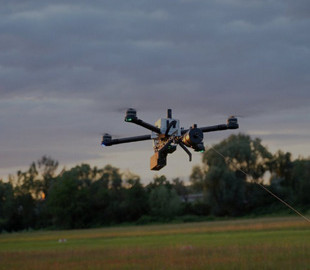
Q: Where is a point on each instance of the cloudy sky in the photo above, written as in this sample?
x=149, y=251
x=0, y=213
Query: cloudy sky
x=69, y=69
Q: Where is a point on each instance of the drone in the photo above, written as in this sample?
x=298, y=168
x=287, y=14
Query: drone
x=167, y=134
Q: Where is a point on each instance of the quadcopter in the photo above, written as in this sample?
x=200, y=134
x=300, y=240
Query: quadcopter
x=167, y=134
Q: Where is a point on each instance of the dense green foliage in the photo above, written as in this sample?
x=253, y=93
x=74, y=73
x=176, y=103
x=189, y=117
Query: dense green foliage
x=86, y=196
x=232, y=168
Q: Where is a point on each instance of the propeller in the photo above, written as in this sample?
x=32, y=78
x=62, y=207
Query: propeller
x=239, y=115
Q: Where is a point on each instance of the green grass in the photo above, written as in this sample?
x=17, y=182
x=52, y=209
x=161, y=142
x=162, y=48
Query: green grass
x=265, y=243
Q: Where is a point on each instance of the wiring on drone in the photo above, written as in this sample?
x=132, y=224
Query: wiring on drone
x=227, y=160
x=170, y=125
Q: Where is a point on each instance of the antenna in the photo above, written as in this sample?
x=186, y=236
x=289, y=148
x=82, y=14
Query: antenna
x=169, y=113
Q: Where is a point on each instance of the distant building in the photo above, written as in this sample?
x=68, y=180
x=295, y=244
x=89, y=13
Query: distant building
x=192, y=197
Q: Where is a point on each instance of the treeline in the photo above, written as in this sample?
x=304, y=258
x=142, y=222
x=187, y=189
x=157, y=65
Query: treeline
x=224, y=185
x=235, y=171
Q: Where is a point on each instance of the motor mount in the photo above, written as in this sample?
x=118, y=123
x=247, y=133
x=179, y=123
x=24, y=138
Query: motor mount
x=131, y=114
x=106, y=139
x=232, y=123
x=193, y=138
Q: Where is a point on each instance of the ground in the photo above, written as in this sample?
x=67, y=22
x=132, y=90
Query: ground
x=264, y=243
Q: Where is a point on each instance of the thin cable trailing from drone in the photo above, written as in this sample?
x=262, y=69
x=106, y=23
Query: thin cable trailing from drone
x=262, y=186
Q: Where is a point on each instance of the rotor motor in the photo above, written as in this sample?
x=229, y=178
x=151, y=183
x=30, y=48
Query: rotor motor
x=131, y=114
x=232, y=122
x=193, y=138
x=106, y=139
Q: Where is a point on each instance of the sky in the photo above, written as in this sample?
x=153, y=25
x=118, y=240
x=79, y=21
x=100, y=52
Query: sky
x=69, y=69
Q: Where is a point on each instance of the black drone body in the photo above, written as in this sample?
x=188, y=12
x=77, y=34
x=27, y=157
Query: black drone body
x=167, y=134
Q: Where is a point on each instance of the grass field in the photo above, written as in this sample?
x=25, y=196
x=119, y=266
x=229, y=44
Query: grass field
x=265, y=243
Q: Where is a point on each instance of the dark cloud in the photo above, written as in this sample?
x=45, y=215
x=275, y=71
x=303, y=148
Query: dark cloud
x=67, y=68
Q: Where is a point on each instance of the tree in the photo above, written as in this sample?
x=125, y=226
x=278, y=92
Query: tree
x=224, y=182
x=47, y=168
x=100, y=200
x=26, y=192
x=112, y=177
x=69, y=200
x=114, y=212
x=157, y=182
x=301, y=176
x=27, y=182
x=241, y=152
x=180, y=188
x=164, y=203
x=135, y=202
x=197, y=178
x=281, y=167
x=225, y=192
x=8, y=209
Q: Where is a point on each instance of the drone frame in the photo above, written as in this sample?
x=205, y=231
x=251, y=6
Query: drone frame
x=166, y=143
